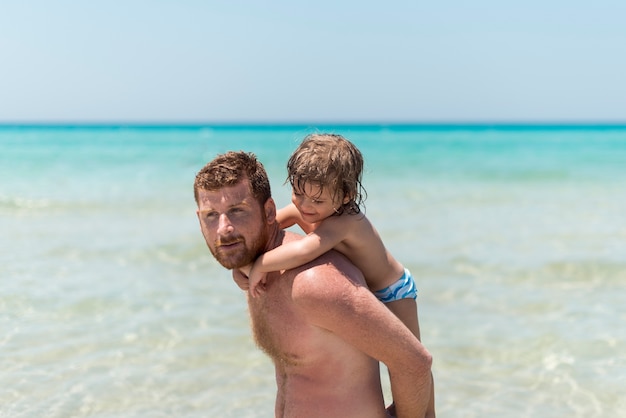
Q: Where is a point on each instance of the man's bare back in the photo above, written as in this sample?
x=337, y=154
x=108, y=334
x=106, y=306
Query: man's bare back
x=317, y=371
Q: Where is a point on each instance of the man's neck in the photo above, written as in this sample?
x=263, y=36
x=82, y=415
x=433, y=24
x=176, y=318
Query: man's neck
x=274, y=239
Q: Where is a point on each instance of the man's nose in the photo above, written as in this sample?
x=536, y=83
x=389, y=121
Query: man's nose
x=224, y=227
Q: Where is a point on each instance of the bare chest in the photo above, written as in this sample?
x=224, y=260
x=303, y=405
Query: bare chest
x=280, y=329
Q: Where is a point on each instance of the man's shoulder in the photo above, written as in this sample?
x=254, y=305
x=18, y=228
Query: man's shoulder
x=326, y=277
x=327, y=290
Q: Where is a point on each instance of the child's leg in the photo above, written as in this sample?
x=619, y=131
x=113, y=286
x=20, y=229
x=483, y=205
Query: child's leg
x=406, y=310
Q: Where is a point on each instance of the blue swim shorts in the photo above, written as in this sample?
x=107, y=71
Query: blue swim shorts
x=404, y=288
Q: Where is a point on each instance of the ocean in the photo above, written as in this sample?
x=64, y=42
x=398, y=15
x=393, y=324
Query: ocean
x=112, y=306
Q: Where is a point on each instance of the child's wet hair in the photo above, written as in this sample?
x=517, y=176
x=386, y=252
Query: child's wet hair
x=332, y=163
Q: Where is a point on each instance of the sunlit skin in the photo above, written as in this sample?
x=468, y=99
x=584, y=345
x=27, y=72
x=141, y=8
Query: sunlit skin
x=322, y=327
x=316, y=212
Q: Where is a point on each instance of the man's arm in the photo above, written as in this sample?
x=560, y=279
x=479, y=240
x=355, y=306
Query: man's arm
x=337, y=303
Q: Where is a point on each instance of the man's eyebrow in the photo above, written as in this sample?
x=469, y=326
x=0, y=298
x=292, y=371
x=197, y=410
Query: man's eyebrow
x=234, y=205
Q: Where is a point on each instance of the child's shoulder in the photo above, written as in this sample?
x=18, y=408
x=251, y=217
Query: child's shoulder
x=352, y=217
x=346, y=220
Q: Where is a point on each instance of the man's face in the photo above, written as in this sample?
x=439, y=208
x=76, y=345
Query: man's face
x=233, y=223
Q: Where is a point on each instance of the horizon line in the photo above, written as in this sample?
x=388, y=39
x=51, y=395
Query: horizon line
x=312, y=124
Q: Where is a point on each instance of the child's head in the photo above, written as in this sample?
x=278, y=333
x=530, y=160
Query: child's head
x=332, y=163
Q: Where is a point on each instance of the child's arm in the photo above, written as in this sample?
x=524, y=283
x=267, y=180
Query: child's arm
x=328, y=234
x=287, y=216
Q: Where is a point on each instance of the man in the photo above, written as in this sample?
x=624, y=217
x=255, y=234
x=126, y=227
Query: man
x=322, y=327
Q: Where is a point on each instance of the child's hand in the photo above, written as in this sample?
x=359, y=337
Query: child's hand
x=257, y=281
x=241, y=279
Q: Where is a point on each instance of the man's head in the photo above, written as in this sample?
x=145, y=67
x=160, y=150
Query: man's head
x=235, y=208
x=229, y=169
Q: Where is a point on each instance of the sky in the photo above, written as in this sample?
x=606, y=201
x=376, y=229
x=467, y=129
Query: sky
x=289, y=61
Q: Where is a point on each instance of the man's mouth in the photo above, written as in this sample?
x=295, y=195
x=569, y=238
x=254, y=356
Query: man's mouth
x=228, y=244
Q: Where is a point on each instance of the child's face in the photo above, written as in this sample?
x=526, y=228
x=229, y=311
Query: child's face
x=313, y=203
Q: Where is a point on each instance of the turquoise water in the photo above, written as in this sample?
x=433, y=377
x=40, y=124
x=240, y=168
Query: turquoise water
x=111, y=305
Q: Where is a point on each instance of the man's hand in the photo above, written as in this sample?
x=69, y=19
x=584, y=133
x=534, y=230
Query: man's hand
x=241, y=279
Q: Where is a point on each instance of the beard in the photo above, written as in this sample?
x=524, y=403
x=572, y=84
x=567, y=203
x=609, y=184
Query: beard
x=245, y=255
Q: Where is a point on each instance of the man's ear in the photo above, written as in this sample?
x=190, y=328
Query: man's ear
x=270, y=210
x=198, y=215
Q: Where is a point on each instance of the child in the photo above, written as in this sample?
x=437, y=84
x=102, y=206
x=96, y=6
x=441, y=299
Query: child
x=325, y=173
